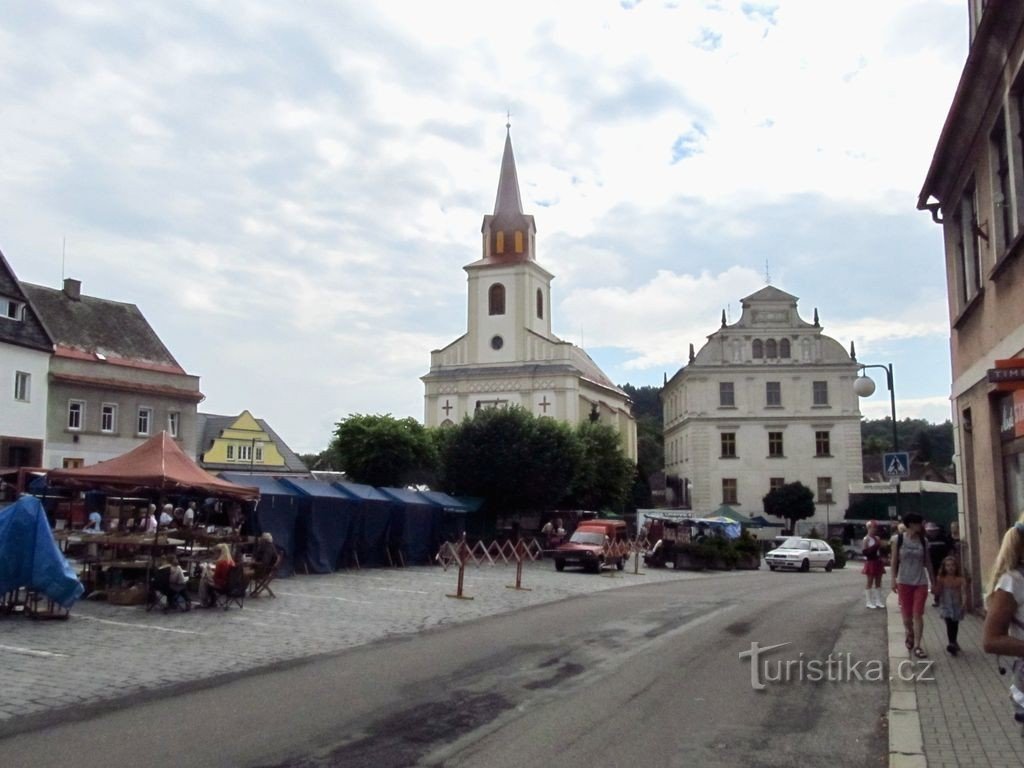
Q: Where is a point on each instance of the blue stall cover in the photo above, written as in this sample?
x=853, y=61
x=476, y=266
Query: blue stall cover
x=326, y=520
x=29, y=557
x=379, y=520
x=443, y=500
x=421, y=531
x=276, y=513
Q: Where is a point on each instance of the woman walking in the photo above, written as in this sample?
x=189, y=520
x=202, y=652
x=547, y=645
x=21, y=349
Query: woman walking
x=1003, y=633
x=911, y=575
x=874, y=569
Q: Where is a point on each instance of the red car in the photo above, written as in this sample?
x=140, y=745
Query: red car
x=589, y=546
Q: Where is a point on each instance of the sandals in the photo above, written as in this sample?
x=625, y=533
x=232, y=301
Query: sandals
x=919, y=653
x=909, y=642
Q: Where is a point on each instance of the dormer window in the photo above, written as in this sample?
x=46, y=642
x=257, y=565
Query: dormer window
x=11, y=309
x=496, y=299
x=499, y=243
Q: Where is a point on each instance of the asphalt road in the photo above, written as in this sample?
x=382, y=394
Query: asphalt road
x=645, y=676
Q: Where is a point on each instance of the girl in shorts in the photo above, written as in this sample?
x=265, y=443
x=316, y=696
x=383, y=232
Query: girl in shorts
x=911, y=575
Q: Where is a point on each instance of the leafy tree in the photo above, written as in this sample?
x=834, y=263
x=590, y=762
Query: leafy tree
x=325, y=460
x=382, y=450
x=791, y=502
x=648, y=413
x=511, y=458
x=603, y=475
x=932, y=442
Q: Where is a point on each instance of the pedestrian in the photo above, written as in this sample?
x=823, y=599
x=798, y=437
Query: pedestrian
x=166, y=516
x=950, y=590
x=190, y=514
x=874, y=568
x=911, y=575
x=938, y=548
x=150, y=521
x=1003, y=632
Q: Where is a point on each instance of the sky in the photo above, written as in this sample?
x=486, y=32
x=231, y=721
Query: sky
x=289, y=191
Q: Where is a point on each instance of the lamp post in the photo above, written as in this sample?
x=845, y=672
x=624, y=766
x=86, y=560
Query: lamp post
x=865, y=387
x=688, y=485
x=828, y=505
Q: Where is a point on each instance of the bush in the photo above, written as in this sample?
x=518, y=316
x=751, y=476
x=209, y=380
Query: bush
x=839, y=552
x=747, y=544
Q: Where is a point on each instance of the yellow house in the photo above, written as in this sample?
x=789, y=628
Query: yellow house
x=243, y=442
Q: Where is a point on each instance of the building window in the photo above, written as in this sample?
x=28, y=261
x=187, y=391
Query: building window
x=771, y=349
x=773, y=394
x=76, y=414
x=499, y=242
x=540, y=304
x=519, y=241
x=11, y=309
x=145, y=420
x=73, y=463
x=173, y=423
x=108, y=418
x=729, y=490
x=728, y=445
x=784, y=350
x=757, y=349
x=231, y=453
x=496, y=299
x=820, y=392
x=775, y=445
x=824, y=489
x=22, y=386
x=967, y=247
x=726, y=394
x=776, y=483
x=1001, y=185
x=259, y=452
x=245, y=453
x=822, y=443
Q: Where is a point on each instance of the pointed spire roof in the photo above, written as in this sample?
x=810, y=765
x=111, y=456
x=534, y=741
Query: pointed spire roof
x=508, y=202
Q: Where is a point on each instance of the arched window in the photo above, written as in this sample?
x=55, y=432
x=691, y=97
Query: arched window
x=771, y=349
x=496, y=299
x=784, y=348
x=499, y=242
x=540, y=304
x=758, y=349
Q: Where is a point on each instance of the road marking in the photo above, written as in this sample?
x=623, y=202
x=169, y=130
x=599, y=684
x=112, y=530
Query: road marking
x=139, y=626
x=32, y=652
x=329, y=597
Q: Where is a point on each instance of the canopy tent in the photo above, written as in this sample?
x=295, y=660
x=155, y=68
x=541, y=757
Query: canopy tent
x=326, y=516
x=453, y=513
x=156, y=466
x=375, y=519
x=276, y=513
x=728, y=512
x=29, y=557
x=760, y=521
x=421, y=525
x=726, y=525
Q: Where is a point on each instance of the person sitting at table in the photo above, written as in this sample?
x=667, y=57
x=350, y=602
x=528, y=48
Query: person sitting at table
x=189, y=515
x=166, y=518
x=264, y=556
x=172, y=583
x=95, y=523
x=150, y=520
x=216, y=580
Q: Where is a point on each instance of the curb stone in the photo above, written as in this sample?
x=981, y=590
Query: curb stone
x=906, y=741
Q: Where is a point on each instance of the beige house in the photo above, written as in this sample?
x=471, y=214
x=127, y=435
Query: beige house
x=767, y=401
x=975, y=190
x=508, y=355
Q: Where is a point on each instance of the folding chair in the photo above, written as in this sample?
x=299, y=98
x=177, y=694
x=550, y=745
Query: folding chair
x=237, y=586
x=262, y=583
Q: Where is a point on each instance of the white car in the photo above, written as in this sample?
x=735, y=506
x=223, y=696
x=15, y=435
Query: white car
x=802, y=555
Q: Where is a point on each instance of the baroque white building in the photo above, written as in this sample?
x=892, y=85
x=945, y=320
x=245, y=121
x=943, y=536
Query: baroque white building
x=768, y=400
x=509, y=355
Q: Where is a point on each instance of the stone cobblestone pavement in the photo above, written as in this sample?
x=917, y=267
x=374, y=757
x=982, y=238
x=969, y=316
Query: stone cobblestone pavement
x=965, y=715
x=104, y=652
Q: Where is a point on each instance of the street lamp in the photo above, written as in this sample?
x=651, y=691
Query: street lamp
x=865, y=387
x=828, y=504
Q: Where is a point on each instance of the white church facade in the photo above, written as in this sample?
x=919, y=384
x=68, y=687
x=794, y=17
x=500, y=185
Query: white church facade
x=509, y=355
x=768, y=400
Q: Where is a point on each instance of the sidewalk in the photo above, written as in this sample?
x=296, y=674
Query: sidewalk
x=963, y=715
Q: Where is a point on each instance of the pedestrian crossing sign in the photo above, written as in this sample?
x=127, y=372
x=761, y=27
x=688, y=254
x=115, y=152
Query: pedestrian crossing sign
x=896, y=464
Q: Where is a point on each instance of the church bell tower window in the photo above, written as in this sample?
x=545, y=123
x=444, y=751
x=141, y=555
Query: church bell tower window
x=496, y=299
x=540, y=304
x=499, y=244
x=519, y=241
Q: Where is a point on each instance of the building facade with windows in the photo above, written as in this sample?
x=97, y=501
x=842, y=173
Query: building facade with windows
x=25, y=349
x=975, y=189
x=509, y=355
x=768, y=400
x=111, y=382
x=243, y=443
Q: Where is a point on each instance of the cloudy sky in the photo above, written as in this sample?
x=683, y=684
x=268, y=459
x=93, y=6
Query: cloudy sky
x=289, y=191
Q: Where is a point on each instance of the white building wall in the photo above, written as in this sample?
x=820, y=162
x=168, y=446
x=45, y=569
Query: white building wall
x=18, y=418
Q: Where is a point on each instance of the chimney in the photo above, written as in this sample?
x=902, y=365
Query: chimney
x=73, y=288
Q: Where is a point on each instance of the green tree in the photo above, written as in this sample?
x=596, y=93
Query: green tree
x=604, y=476
x=650, y=443
x=931, y=442
x=325, y=460
x=791, y=502
x=511, y=458
x=385, y=451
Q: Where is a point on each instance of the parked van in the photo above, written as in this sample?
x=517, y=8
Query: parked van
x=587, y=547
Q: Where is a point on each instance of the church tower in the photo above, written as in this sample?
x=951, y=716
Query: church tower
x=509, y=355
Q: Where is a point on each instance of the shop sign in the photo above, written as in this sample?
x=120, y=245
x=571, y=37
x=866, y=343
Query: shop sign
x=1012, y=416
x=1008, y=374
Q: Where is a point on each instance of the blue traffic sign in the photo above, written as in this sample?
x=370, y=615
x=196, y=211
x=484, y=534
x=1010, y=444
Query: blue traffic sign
x=896, y=464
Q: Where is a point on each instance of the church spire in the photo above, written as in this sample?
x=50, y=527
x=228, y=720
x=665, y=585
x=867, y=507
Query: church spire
x=508, y=203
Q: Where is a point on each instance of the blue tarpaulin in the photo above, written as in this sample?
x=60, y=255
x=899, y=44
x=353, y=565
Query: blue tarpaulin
x=29, y=557
x=421, y=529
x=325, y=522
x=277, y=513
x=379, y=520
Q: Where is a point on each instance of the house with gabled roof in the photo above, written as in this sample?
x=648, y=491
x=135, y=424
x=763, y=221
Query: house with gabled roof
x=112, y=383
x=25, y=349
x=243, y=443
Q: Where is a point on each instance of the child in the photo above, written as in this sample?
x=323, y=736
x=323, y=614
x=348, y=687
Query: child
x=950, y=591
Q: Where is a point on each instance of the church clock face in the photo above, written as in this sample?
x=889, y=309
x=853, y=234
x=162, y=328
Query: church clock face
x=497, y=342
